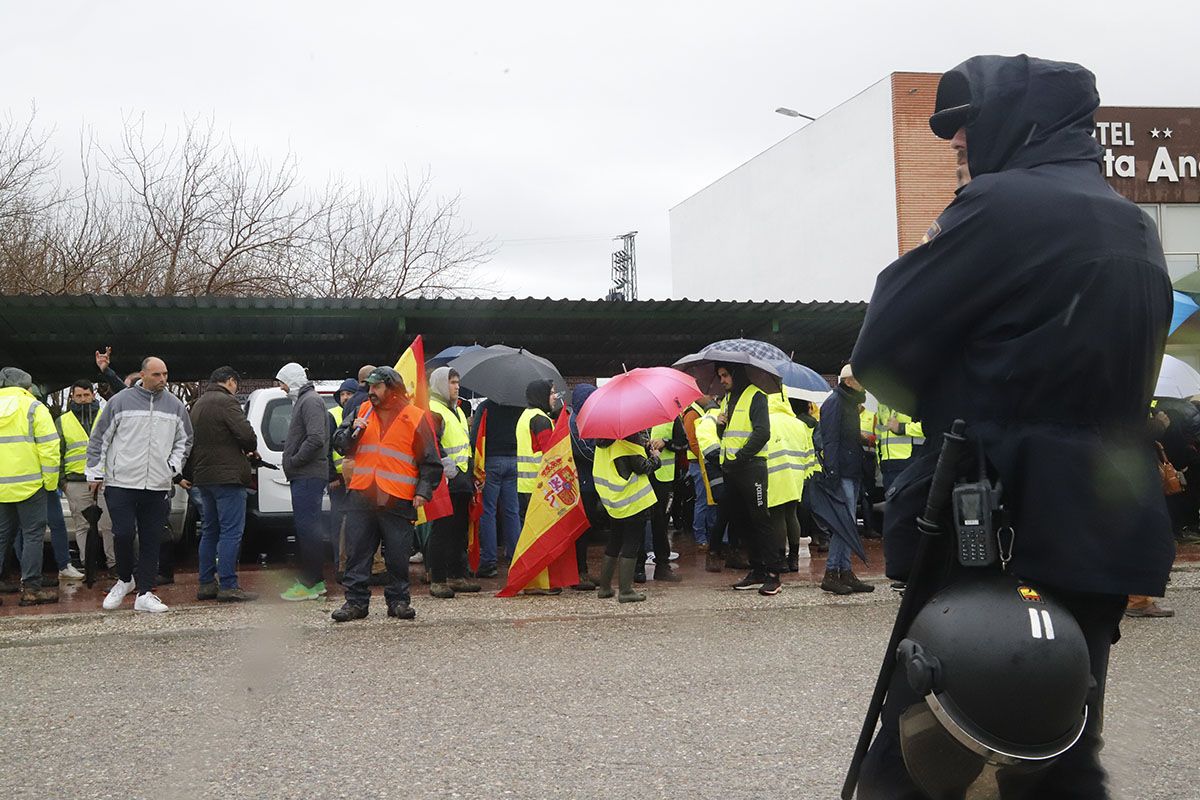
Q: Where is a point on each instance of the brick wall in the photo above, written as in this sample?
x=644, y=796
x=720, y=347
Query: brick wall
x=924, y=163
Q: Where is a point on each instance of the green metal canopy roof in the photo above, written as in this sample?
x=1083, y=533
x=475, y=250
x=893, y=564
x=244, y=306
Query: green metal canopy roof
x=54, y=337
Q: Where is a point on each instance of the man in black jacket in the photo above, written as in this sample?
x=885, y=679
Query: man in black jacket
x=842, y=437
x=219, y=469
x=1036, y=311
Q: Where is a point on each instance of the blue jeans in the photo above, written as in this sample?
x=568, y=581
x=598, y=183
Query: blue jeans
x=839, y=551
x=21, y=525
x=222, y=522
x=59, y=539
x=703, y=515
x=501, y=512
x=306, y=518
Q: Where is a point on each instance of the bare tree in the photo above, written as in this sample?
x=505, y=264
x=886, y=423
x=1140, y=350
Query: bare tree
x=192, y=214
x=403, y=242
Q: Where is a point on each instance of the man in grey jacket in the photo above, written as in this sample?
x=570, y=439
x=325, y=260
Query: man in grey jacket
x=136, y=451
x=306, y=466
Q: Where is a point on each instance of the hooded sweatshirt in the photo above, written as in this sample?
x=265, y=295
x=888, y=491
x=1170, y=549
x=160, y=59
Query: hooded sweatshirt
x=1037, y=312
x=306, y=448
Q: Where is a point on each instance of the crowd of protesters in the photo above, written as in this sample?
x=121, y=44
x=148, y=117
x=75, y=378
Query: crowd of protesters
x=734, y=472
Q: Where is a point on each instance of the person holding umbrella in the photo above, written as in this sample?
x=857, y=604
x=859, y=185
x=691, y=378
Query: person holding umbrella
x=622, y=474
x=745, y=447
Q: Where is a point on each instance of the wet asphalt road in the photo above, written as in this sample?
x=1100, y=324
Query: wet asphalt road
x=698, y=693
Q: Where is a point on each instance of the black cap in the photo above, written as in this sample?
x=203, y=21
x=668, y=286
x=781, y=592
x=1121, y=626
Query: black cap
x=386, y=375
x=953, y=109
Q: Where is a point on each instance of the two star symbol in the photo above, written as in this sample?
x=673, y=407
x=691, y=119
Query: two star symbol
x=1166, y=133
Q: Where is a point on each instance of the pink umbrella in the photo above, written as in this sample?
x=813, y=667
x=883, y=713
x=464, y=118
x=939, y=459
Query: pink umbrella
x=637, y=400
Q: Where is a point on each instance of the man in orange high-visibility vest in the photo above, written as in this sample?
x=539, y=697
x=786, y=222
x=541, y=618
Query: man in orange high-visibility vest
x=396, y=467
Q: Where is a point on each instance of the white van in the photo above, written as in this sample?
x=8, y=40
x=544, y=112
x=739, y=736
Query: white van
x=270, y=412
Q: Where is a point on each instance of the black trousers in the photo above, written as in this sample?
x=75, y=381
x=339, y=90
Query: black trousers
x=1077, y=775
x=625, y=537
x=368, y=524
x=787, y=526
x=747, y=484
x=447, y=546
x=659, y=519
x=140, y=513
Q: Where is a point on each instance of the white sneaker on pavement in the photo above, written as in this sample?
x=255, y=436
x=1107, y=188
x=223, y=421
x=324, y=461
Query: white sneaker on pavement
x=70, y=573
x=416, y=558
x=116, y=594
x=149, y=602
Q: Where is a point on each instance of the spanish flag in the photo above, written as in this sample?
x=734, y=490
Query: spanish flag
x=545, y=553
x=479, y=473
x=411, y=366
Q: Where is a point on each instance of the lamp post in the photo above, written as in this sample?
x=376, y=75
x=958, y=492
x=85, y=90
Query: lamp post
x=789, y=112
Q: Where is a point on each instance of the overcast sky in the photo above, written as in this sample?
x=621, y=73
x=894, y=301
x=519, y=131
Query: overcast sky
x=560, y=126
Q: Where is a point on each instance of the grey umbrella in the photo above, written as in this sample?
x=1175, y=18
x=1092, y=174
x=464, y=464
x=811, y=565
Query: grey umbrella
x=501, y=373
x=761, y=359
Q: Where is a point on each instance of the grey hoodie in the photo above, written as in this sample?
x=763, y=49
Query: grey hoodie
x=140, y=440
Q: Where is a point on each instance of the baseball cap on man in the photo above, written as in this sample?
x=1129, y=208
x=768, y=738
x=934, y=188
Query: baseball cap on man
x=953, y=109
x=386, y=375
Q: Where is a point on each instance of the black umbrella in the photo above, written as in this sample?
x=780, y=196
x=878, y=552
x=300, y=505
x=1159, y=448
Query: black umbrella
x=93, y=547
x=501, y=373
x=832, y=512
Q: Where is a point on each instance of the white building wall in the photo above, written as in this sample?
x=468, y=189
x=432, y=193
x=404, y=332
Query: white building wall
x=812, y=218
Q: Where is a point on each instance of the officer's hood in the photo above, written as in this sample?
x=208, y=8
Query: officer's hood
x=1023, y=111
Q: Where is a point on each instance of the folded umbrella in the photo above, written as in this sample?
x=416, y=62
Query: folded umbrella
x=93, y=545
x=832, y=512
x=501, y=373
x=636, y=400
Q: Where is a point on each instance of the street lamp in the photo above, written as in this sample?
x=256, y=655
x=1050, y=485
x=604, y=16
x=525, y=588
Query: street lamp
x=789, y=112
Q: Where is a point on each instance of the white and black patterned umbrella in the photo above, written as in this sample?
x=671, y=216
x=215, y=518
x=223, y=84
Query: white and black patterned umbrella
x=762, y=362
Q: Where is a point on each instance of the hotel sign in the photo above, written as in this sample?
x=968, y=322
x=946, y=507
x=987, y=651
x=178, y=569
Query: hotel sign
x=1151, y=155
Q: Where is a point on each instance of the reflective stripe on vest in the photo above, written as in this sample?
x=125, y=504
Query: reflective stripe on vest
x=739, y=428
x=456, y=441
x=29, y=450
x=338, y=458
x=388, y=463
x=76, y=441
x=665, y=473
x=621, y=498
x=896, y=446
x=528, y=459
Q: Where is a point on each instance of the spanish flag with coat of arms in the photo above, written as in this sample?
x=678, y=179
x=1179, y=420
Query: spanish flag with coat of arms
x=545, y=552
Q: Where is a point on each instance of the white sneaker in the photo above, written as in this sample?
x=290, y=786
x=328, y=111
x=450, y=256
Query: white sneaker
x=674, y=556
x=149, y=602
x=416, y=558
x=116, y=594
x=70, y=573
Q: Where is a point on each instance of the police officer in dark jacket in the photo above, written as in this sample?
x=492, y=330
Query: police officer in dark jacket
x=1036, y=311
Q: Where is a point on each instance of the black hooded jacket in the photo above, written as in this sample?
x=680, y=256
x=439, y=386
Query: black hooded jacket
x=1037, y=311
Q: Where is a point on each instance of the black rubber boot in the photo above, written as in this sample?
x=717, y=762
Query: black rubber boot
x=628, y=595
x=604, y=584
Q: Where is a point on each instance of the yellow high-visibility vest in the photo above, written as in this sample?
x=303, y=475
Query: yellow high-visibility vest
x=621, y=497
x=528, y=461
x=897, y=446
x=338, y=458
x=76, y=442
x=456, y=440
x=785, y=478
x=665, y=473
x=29, y=454
x=739, y=428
